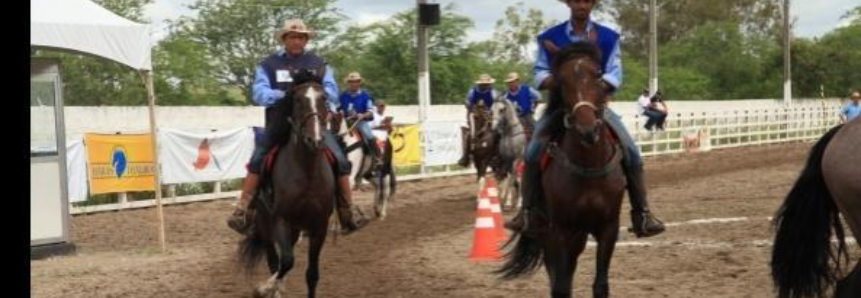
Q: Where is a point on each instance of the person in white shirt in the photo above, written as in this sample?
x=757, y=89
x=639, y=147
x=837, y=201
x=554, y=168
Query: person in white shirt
x=380, y=121
x=653, y=108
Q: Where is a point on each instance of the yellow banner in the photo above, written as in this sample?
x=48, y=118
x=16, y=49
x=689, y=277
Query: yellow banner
x=406, y=142
x=120, y=163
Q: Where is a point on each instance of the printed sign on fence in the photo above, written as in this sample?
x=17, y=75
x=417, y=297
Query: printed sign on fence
x=120, y=163
x=442, y=142
x=406, y=143
x=188, y=157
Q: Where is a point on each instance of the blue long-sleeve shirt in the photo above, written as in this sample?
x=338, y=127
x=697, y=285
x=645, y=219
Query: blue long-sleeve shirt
x=612, y=70
x=264, y=95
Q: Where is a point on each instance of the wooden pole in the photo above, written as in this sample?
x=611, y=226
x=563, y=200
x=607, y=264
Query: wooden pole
x=157, y=172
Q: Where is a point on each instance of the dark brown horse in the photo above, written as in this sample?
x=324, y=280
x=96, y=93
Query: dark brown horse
x=484, y=140
x=804, y=262
x=583, y=181
x=301, y=196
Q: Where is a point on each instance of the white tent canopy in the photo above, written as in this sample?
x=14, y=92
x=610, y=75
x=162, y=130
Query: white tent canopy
x=84, y=26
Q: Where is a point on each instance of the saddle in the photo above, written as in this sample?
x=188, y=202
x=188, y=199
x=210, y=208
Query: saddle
x=269, y=160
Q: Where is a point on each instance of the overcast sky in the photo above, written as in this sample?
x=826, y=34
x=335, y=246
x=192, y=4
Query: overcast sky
x=814, y=18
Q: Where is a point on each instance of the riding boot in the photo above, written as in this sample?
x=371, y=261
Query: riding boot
x=464, y=159
x=345, y=207
x=644, y=223
x=241, y=217
x=530, y=190
x=376, y=161
x=374, y=151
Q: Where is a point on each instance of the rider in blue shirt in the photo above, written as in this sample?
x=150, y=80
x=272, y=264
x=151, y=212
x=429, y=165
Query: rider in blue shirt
x=525, y=98
x=357, y=102
x=483, y=93
x=852, y=109
x=581, y=28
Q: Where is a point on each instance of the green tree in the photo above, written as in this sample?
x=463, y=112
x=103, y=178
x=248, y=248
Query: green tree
x=184, y=74
x=386, y=55
x=515, y=32
x=832, y=61
x=676, y=18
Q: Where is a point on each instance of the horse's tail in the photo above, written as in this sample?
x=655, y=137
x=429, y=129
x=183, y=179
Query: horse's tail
x=251, y=250
x=393, y=181
x=253, y=246
x=390, y=167
x=802, y=254
x=523, y=259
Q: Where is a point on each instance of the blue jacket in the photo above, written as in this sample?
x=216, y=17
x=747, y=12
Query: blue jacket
x=360, y=102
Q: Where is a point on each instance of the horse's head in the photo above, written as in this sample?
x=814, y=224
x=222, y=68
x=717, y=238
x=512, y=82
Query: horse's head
x=309, y=112
x=501, y=112
x=577, y=74
x=481, y=114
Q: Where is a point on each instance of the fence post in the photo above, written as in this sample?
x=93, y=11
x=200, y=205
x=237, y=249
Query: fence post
x=123, y=199
x=171, y=193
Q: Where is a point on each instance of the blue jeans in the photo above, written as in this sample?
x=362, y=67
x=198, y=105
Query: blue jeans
x=367, y=135
x=655, y=118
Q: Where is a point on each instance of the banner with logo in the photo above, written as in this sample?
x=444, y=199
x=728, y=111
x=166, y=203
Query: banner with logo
x=406, y=142
x=120, y=163
x=188, y=157
x=442, y=142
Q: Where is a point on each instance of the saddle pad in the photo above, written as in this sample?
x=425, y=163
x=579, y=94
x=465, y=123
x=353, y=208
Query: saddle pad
x=269, y=160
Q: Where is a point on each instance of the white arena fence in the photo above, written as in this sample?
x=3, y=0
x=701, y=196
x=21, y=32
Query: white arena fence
x=691, y=126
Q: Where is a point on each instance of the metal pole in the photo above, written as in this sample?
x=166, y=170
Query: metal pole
x=653, y=47
x=787, y=72
x=157, y=171
x=424, y=74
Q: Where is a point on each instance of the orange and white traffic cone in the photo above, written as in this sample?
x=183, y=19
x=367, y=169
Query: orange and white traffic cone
x=486, y=242
x=491, y=192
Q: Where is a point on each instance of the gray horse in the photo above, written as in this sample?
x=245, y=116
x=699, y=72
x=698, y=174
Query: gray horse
x=512, y=143
x=804, y=262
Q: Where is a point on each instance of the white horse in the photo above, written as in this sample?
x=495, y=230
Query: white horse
x=512, y=144
x=361, y=169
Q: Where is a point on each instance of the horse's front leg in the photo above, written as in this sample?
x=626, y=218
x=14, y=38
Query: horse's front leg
x=284, y=240
x=312, y=274
x=606, y=244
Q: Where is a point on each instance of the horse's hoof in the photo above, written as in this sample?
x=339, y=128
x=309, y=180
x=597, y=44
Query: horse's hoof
x=259, y=293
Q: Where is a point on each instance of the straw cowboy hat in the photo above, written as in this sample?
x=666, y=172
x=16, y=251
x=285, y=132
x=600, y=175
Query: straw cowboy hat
x=353, y=76
x=512, y=76
x=294, y=25
x=485, y=79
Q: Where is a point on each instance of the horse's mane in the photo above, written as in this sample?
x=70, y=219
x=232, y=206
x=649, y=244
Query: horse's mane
x=575, y=50
x=279, y=131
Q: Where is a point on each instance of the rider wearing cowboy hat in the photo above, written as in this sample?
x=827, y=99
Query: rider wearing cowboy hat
x=356, y=101
x=483, y=92
x=272, y=82
x=581, y=28
x=524, y=97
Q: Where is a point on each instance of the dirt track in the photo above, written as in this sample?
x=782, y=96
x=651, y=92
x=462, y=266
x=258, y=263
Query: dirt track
x=421, y=249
